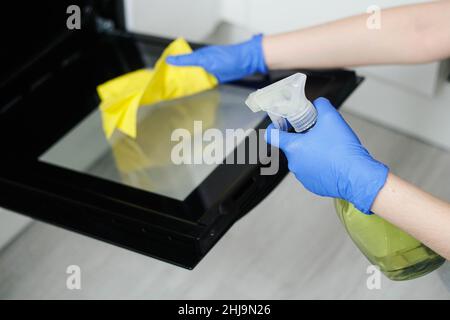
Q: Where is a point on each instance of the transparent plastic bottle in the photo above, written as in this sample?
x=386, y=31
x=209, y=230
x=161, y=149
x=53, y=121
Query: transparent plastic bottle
x=398, y=255
x=285, y=101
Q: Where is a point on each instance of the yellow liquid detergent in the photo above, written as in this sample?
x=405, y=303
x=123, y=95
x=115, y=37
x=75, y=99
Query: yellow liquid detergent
x=398, y=255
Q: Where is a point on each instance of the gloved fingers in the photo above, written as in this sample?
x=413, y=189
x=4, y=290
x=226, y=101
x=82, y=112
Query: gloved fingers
x=270, y=135
x=329, y=119
x=279, y=138
x=191, y=59
x=324, y=106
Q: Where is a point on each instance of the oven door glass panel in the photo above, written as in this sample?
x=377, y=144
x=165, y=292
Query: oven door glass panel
x=146, y=162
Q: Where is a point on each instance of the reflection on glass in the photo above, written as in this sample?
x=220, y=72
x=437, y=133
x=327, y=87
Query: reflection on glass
x=145, y=162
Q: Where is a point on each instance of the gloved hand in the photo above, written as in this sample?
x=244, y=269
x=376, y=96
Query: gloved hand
x=329, y=159
x=226, y=62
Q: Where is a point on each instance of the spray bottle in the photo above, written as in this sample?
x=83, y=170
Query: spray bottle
x=285, y=101
x=398, y=255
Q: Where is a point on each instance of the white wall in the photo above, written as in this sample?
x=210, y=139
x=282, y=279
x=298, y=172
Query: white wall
x=403, y=109
x=416, y=88
x=173, y=18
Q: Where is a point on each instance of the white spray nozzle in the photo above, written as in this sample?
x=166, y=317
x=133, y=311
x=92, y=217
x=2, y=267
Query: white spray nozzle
x=285, y=100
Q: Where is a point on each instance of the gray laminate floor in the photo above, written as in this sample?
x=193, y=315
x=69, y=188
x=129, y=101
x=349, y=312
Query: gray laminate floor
x=290, y=246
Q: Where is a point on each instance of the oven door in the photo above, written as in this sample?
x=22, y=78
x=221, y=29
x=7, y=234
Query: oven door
x=58, y=167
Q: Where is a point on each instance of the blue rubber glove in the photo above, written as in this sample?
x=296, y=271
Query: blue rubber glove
x=329, y=159
x=227, y=62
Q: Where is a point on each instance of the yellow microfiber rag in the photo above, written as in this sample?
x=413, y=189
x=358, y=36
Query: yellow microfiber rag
x=122, y=96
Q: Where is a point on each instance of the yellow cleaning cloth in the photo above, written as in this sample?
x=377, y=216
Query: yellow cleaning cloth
x=122, y=96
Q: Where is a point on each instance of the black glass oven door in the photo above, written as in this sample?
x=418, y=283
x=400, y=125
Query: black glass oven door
x=58, y=167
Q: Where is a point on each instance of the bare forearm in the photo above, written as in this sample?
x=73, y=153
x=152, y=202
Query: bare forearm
x=418, y=213
x=408, y=34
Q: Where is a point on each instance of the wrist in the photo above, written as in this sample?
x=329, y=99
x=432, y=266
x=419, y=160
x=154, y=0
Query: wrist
x=379, y=203
x=266, y=49
x=274, y=51
x=367, y=179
